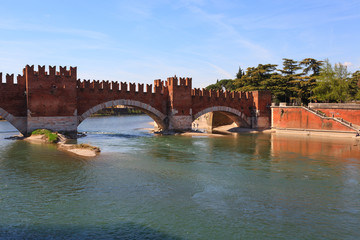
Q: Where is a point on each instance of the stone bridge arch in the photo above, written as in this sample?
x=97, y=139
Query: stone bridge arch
x=156, y=115
x=235, y=115
x=18, y=122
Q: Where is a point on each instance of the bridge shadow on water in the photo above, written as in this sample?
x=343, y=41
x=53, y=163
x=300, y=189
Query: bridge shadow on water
x=124, y=230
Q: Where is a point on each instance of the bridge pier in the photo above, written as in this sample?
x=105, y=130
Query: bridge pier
x=66, y=124
x=180, y=123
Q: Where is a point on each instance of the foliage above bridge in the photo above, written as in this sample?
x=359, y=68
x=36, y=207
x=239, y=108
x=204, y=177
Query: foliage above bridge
x=298, y=81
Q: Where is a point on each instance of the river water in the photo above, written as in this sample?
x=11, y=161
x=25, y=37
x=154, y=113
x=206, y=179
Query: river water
x=142, y=186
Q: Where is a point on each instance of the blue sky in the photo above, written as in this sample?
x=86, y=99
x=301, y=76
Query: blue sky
x=139, y=41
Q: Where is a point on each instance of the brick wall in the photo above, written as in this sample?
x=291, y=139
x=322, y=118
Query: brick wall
x=348, y=111
x=51, y=93
x=298, y=118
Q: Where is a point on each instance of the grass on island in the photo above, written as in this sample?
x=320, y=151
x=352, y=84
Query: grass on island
x=86, y=146
x=51, y=137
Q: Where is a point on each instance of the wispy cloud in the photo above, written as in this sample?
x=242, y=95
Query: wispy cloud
x=221, y=71
x=344, y=18
x=296, y=14
x=221, y=22
x=13, y=25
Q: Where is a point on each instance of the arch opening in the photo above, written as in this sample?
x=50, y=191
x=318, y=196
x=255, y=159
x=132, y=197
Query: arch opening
x=158, y=117
x=19, y=123
x=210, y=118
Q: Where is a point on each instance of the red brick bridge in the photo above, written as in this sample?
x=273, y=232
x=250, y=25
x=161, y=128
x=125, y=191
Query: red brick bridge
x=57, y=100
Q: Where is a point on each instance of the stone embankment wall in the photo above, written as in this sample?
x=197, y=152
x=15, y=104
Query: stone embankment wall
x=302, y=118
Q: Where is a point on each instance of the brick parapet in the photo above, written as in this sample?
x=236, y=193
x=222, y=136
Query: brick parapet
x=13, y=95
x=335, y=106
x=113, y=86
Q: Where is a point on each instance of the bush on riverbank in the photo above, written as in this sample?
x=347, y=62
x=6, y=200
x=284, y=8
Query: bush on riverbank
x=51, y=137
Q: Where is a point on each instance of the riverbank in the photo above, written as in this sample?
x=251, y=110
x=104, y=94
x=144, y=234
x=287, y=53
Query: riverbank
x=233, y=129
x=84, y=150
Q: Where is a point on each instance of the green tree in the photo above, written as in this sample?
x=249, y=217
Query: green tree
x=311, y=64
x=307, y=82
x=224, y=84
x=356, y=76
x=240, y=73
x=292, y=80
x=304, y=88
x=289, y=67
x=354, y=85
x=254, y=76
x=278, y=86
x=333, y=84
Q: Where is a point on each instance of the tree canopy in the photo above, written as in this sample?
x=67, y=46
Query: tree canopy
x=297, y=81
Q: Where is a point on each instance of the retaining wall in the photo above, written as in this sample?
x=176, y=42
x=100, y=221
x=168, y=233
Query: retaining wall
x=299, y=118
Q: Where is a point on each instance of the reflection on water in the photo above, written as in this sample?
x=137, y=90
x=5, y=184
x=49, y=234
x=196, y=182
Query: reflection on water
x=245, y=186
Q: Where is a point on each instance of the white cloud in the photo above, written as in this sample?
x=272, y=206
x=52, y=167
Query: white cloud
x=347, y=64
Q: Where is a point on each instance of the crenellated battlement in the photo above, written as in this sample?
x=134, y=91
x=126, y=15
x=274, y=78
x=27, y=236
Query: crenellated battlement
x=159, y=86
x=115, y=86
x=181, y=82
x=219, y=94
x=10, y=80
x=63, y=72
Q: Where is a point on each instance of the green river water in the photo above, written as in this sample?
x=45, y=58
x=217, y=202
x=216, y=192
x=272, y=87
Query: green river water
x=143, y=186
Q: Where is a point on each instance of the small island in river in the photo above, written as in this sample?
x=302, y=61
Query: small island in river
x=48, y=137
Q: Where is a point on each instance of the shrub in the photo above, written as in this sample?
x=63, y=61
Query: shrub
x=51, y=137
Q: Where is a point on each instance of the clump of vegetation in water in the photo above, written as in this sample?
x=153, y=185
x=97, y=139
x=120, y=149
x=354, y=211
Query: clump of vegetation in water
x=86, y=146
x=51, y=137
